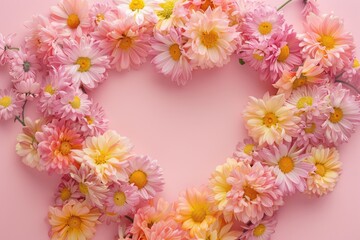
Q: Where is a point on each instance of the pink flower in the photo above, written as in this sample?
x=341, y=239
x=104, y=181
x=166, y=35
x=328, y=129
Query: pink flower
x=68, y=189
x=254, y=53
x=23, y=65
x=70, y=18
x=5, y=48
x=28, y=88
x=211, y=38
x=289, y=167
x=56, y=142
x=253, y=193
x=310, y=131
x=311, y=6
x=171, y=57
x=246, y=151
x=84, y=62
x=10, y=105
x=261, y=230
x=95, y=122
x=324, y=39
x=166, y=230
x=99, y=12
x=146, y=175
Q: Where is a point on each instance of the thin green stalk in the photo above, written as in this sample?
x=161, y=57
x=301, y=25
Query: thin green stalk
x=22, y=118
x=282, y=6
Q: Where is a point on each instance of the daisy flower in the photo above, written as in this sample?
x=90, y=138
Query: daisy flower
x=262, y=22
x=95, y=122
x=126, y=42
x=146, y=175
x=27, y=145
x=56, y=141
x=310, y=131
x=343, y=117
x=23, y=65
x=84, y=62
x=99, y=11
x=328, y=169
x=194, y=211
x=211, y=39
x=71, y=18
x=90, y=186
x=171, y=57
x=106, y=154
x=253, y=193
x=68, y=189
x=5, y=47
x=142, y=11
x=325, y=39
x=289, y=167
x=122, y=199
x=261, y=230
x=10, y=105
x=74, y=220
x=246, y=151
x=255, y=53
x=269, y=120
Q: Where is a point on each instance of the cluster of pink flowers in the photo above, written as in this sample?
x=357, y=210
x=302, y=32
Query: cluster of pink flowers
x=293, y=135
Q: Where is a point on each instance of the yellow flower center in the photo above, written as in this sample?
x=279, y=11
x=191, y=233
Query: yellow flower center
x=83, y=188
x=167, y=9
x=65, y=194
x=65, y=148
x=136, y=5
x=310, y=129
x=284, y=53
x=101, y=159
x=270, y=119
x=74, y=222
x=175, y=52
x=73, y=21
x=327, y=41
x=259, y=230
x=76, y=102
x=99, y=17
x=250, y=193
x=320, y=169
x=258, y=57
x=85, y=64
x=5, y=101
x=198, y=214
x=337, y=115
x=286, y=164
x=248, y=149
x=208, y=3
x=209, y=40
x=304, y=101
x=356, y=63
x=119, y=198
x=299, y=82
x=139, y=178
x=125, y=43
x=265, y=28
x=89, y=120
x=49, y=89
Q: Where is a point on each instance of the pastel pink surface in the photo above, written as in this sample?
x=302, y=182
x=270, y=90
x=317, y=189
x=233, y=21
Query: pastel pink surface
x=188, y=129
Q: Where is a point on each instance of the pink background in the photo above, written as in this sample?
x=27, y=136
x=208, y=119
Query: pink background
x=189, y=130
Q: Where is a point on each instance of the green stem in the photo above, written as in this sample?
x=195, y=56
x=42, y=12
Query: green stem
x=17, y=118
x=22, y=119
x=11, y=48
x=348, y=84
x=286, y=3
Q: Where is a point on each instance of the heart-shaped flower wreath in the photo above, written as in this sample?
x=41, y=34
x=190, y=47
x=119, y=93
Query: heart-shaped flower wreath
x=293, y=135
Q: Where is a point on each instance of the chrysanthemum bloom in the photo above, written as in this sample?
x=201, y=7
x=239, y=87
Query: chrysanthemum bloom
x=90, y=186
x=27, y=145
x=218, y=184
x=170, y=56
x=57, y=140
x=269, y=120
x=246, y=151
x=211, y=39
x=261, y=230
x=253, y=193
x=310, y=131
x=95, y=122
x=325, y=39
x=142, y=11
x=289, y=167
x=5, y=48
x=194, y=210
x=71, y=18
x=122, y=199
x=218, y=230
x=166, y=230
x=126, y=42
x=106, y=154
x=352, y=74
x=72, y=105
x=262, y=22
x=255, y=53
x=10, y=105
x=307, y=74
x=68, y=189
x=84, y=62
x=328, y=169
x=344, y=116
x=23, y=65
x=99, y=11
x=28, y=89
x=165, y=12
x=146, y=175
x=74, y=220
x=311, y=6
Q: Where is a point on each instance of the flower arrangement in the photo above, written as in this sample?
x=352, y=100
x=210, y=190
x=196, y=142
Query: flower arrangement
x=293, y=135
